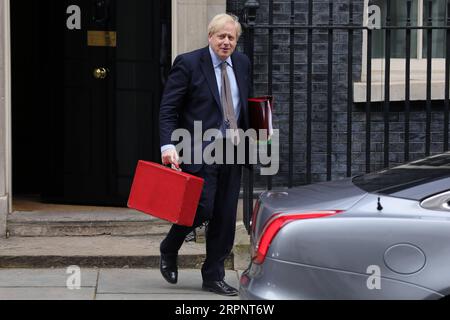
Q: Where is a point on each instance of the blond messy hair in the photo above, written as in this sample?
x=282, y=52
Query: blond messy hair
x=220, y=20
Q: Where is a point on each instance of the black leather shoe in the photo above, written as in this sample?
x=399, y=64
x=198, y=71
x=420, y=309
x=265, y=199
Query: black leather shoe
x=168, y=267
x=219, y=287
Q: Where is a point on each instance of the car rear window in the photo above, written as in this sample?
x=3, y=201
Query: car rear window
x=406, y=176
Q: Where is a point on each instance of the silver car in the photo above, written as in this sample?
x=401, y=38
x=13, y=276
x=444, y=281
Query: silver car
x=384, y=235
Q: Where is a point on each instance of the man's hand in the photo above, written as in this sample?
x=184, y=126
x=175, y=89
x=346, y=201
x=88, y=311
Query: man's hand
x=170, y=156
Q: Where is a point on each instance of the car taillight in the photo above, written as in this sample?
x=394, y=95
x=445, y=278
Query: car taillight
x=278, y=221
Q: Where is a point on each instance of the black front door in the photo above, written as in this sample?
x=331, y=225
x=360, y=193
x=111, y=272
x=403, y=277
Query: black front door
x=106, y=59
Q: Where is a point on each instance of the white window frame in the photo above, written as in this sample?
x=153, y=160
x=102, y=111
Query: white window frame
x=418, y=76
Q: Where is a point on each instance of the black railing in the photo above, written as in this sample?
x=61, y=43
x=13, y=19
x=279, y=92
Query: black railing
x=351, y=28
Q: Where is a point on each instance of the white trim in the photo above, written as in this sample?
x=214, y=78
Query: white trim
x=7, y=50
x=174, y=29
x=190, y=19
x=420, y=31
x=364, y=41
x=418, y=78
x=5, y=117
x=397, y=80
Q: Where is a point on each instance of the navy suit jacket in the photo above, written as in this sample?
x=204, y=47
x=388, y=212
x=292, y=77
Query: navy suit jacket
x=191, y=94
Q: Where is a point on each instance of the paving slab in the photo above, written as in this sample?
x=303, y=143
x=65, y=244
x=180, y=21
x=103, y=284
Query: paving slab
x=166, y=296
x=10, y=278
x=106, y=284
x=46, y=294
x=150, y=281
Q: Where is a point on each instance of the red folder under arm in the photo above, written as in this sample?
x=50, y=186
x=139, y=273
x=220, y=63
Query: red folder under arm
x=260, y=113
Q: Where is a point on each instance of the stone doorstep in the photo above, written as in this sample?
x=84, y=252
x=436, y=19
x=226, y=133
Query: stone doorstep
x=101, y=252
x=83, y=228
x=43, y=220
x=89, y=221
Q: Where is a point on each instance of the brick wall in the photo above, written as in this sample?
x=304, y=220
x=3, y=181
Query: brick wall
x=281, y=67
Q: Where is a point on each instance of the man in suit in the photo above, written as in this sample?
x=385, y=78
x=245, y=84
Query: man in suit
x=210, y=85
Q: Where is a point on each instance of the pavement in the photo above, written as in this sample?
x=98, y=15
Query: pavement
x=114, y=250
x=105, y=284
x=110, y=268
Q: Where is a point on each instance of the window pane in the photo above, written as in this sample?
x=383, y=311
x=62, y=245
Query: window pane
x=405, y=176
x=438, y=12
x=398, y=37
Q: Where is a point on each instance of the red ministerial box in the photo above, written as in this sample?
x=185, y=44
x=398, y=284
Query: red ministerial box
x=165, y=193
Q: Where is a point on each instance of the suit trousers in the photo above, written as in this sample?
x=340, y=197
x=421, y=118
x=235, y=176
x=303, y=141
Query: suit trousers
x=218, y=206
